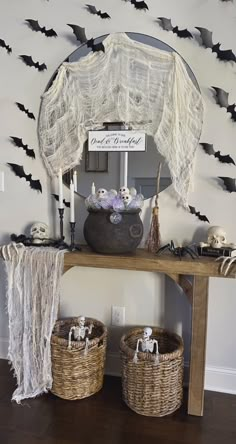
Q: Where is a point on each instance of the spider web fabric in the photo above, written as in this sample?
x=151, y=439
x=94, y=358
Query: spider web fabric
x=33, y=287
x=147, y=88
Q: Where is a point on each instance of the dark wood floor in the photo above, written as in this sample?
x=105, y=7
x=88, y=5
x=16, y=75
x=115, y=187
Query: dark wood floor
x=104, y=418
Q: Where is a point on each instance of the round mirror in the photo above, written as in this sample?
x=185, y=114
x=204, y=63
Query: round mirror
x=105, y=169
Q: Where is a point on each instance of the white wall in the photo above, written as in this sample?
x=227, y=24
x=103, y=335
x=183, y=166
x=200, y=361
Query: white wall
x=94, y=291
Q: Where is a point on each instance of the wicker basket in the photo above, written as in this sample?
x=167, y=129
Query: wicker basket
x=76, y=374
x=148, y=388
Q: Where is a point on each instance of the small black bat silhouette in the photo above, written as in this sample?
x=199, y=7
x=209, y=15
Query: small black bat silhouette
x=29, y=62
x=93, y=10
x=221, y=97
x=81, y=36
x=34, y=25
x=19, y=172
x=229, y=183
x=79, y=33
x=167, y=26
x=18, y=142
x=4, y=45
x=209, y=149
x=139, y=5
x=207, y=42
x=24, y=110
x=200, y=216
x=67, y=204
x=95, y=47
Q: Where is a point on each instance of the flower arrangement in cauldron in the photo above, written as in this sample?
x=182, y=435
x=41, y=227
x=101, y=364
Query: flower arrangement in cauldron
x=123, y=200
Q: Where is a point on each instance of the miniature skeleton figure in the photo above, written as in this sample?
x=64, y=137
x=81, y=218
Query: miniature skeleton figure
x=101, y=193
x=39, y=232
x=123, y=190
x=79, y=332
x=216, y=238
x=126, y=199
x=147, y=344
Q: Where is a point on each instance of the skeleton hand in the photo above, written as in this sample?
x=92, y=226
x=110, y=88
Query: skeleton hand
x=135, y=358
x=6, y=251
x=69, y=339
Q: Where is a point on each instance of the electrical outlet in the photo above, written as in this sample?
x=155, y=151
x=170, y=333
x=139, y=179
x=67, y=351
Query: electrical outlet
x=117, y=315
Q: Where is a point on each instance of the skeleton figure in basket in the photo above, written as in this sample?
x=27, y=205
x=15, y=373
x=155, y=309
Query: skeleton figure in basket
x=79, y=332
x=147, y=344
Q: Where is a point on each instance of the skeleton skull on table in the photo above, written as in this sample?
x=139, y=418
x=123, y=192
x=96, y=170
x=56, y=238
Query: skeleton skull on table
x=216, y=237
x=39, y=232
x=147, y=344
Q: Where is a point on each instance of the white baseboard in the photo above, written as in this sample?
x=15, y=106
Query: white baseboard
x=3, y=348
x=220, y=379
x=217, y=379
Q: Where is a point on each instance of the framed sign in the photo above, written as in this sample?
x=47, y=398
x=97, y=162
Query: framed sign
x=119, y=140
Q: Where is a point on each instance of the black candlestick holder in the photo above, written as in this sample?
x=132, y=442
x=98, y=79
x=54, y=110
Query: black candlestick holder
x=61, y=244
x=73, y=246
x=61, y=215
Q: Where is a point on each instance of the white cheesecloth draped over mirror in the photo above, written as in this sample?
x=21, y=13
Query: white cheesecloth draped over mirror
x=147, y=88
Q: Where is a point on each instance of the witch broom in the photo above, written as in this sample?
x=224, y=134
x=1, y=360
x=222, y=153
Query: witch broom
x=154, y=239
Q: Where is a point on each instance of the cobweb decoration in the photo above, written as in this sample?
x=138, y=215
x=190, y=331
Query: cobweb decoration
x=130, y=82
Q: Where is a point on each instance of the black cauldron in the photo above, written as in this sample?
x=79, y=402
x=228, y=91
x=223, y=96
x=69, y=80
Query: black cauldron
x=109, y=232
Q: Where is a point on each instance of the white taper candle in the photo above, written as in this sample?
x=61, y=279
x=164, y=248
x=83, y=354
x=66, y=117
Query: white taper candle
x=75, y=180
x=72, y=202
x=93, y=189
x=60, y=185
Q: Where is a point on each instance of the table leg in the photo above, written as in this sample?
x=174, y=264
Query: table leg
x=198, y=346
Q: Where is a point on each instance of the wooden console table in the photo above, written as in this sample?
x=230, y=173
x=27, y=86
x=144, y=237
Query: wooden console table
x=201, y=269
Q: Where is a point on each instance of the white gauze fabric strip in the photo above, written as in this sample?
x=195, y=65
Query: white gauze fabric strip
x=33, y=287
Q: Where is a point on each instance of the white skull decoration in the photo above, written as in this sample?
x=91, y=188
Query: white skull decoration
x=216, y=237
x=126, y=199
x=123, y=190
x=101, y=193
x=39, y=232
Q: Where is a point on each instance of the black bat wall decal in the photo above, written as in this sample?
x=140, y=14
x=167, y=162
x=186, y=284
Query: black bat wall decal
x=67, y=204
x=167, y=26
x=229, y=183
x=200, y=216
x=209, y=149
x=4, y=45
x=93, y=10
x=81, y=36
x=18, y=142
x=139, y=5
x=24, y=110
x=221, y=98
x=19, y=172
x=34, y=25
x=29, y=62
x=207, y=42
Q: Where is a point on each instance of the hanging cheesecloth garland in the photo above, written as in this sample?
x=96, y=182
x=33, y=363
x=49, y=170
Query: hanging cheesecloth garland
x=130, y=82
x=33, y=283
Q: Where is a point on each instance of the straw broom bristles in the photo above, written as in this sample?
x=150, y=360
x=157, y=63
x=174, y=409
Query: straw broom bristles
x=154, y=238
